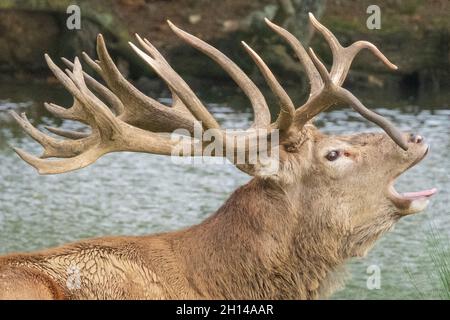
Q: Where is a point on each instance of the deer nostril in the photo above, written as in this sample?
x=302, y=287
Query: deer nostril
x=415, y=138
x=419, y=139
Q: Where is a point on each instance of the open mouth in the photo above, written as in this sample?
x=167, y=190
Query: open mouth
x=411, y=196
x=411, y=202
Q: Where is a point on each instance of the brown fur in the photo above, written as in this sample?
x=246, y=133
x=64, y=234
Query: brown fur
x=277, y=237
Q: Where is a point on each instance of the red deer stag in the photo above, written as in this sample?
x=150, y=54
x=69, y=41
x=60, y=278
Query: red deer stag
x=283, y=235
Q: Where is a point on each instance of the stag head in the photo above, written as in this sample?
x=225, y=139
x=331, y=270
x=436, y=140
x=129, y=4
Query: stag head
x=340, y=187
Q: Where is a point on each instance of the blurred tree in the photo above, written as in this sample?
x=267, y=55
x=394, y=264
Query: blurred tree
x=414, y=34
x=41, y=27
x=42, y=23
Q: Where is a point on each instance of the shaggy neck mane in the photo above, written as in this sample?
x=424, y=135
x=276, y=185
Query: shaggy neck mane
x=258, y=245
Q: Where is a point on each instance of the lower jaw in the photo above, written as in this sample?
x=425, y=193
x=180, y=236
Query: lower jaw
x=410, y=204
x=417, y=205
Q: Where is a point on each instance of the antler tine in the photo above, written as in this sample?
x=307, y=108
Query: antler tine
x=100, y=116
x=75, y=112
x=313, y=75
x=44, y=166
x=141, y=111
x=95, y=65
x=320, y=67
x=382, y=122
x=107, y=94
x=287, y=108
x=52, y=147
x=115, y=80
x=72, y=113
x=70, y=134
x=332, y=93
x=157, y=62
x=343, y=56
x=257, y=100
x=95, y=114
x=109, y=133
x=177, y=103
x=93, y=147
x=62, y=77
x=321, y=100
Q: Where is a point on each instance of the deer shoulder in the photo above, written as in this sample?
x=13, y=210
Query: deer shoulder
x=117, y=267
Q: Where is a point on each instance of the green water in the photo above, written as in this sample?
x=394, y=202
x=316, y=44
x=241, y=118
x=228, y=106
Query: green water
x=137, y=194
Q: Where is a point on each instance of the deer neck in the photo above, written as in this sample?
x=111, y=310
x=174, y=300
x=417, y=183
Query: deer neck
x=255, y=246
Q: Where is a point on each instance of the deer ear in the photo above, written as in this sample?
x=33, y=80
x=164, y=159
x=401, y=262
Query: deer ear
x=294, y=143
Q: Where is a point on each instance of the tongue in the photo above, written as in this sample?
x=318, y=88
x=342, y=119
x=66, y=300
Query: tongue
x=419, y=194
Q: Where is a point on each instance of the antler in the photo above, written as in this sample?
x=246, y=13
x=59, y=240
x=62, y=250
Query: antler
x=326, y=87
x=109, y=133
x=135, y=122
x=140, y=110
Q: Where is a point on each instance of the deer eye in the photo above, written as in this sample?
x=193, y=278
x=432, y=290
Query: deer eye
x=332, y=155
